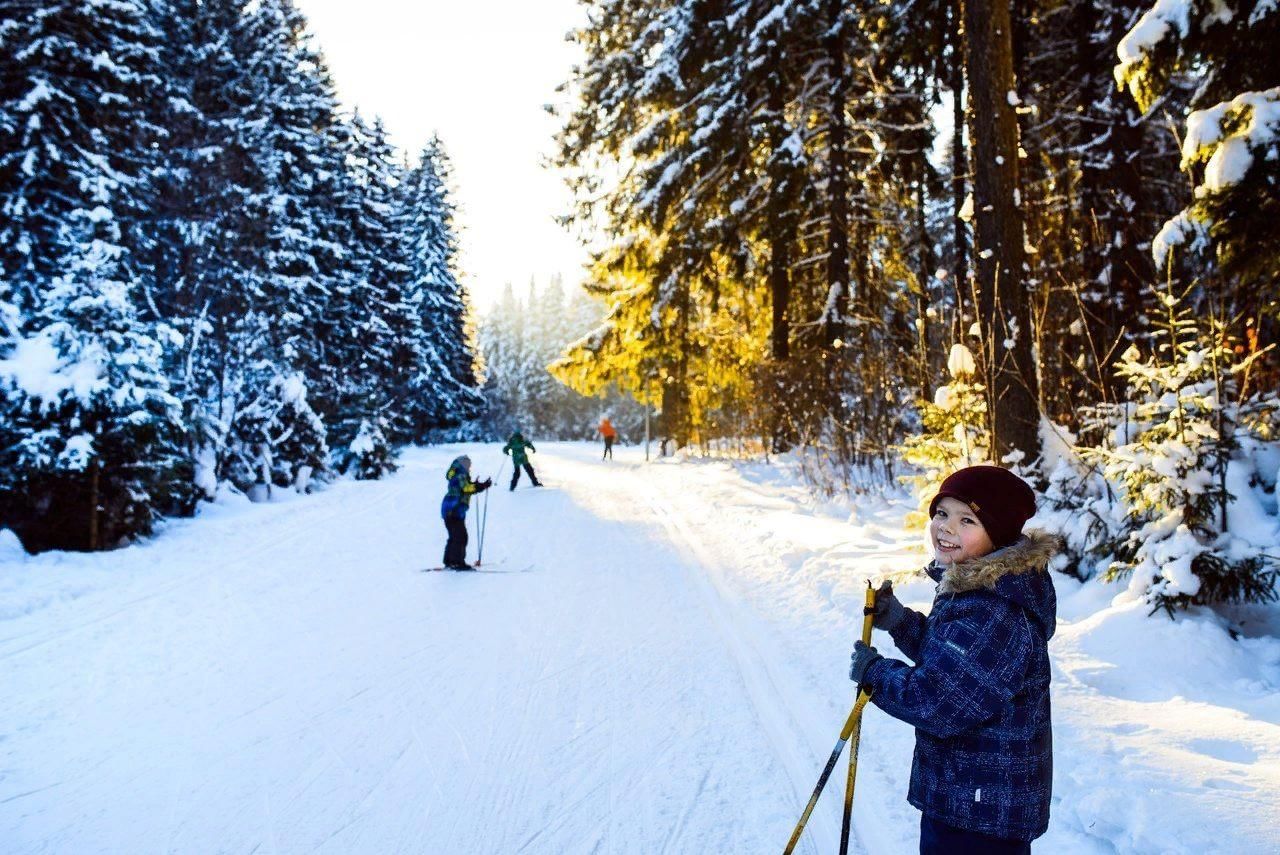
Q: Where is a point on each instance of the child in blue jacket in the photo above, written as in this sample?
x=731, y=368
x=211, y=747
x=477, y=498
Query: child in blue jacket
x=978, y=693
x=453, y=510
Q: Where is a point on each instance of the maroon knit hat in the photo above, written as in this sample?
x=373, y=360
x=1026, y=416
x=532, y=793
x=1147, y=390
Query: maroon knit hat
x=1001, y=500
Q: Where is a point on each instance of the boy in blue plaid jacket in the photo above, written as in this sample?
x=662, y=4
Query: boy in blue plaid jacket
x=978, y=693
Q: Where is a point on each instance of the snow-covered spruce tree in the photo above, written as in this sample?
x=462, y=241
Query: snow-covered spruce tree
x=10, y=317
x=542, y=391
x=278, y=440
x=442, y=390
x=520, y=341
x=1077, y=503
x=239, y=241
x=297, y=162
x=198, y=244
x=367, y=321
x=370, y=455
x=1231, y=147
x=954, y=435
x=91, y=450
x=89, y=429
x=1188, y=526
x=73, y=129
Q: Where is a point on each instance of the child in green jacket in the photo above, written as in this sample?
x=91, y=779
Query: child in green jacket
x=516, y=446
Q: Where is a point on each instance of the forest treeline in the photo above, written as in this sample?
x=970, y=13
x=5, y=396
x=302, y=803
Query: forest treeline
x=519, y=336
x=1042, y=233
x=209, y=274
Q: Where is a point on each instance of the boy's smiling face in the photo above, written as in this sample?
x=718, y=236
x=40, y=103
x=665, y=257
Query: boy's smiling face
x=956, y=533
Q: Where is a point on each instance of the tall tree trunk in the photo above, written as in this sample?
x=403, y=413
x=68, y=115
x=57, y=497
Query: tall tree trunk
x=926, y=259
x=1003, y=307
x=780, y=232
x=925, y=275
x=959, y=169
x=780, y=227
x=837, y=179
x=675, y=386
x=1111, y=193
x=95, y=476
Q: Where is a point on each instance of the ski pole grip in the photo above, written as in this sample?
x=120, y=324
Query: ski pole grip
x=868, y=613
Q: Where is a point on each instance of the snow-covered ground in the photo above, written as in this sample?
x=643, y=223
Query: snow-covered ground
x=660, y=667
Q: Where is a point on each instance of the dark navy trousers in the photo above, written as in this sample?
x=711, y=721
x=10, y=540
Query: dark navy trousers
x=455, y=549
x=938, y=838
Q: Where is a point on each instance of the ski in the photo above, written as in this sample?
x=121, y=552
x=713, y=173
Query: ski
x=487, y=568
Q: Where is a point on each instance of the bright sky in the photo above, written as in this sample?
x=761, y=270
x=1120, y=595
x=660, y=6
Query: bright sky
x=478, y=73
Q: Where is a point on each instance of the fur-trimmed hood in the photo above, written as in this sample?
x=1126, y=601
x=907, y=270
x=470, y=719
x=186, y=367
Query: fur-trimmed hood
x=1018, y=572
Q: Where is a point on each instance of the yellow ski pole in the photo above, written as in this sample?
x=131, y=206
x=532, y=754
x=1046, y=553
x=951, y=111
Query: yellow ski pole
x=852, y=726
x=868, y=615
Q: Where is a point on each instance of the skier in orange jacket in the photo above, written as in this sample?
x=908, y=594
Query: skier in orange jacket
x=610, y=433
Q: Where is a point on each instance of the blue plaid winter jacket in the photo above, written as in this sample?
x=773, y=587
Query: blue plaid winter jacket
x=978, y=694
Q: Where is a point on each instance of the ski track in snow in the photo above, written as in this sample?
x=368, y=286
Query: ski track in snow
x=275, y=682
x=668, y=677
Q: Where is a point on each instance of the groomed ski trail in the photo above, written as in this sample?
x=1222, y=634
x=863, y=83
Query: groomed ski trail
x=272, y=679
x=764, y=683
x=801, y=735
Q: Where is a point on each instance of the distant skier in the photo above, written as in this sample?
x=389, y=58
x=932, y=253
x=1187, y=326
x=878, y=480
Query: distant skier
x=610, y=434
x=516, y=445
x=454, y=511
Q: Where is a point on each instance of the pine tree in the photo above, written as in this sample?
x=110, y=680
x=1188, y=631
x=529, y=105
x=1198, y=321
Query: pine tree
x=1175, y=461
x=369, y=456
x=279, y=439
x=295, y=164
x=91, y=434
x=1096, y=181
x=443, y=389
x=1115, y=204
x=239, y=247
x=367, y=323
x=203, y=249
x=73, y=130
x=541, y=389
x=1231, y=145
x=526, y=381
x=1004, y=310
x=89, y=428
x=501, y=337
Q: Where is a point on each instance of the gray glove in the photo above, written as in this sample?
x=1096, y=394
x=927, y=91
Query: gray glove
x=889, y=611
x=863, y=658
